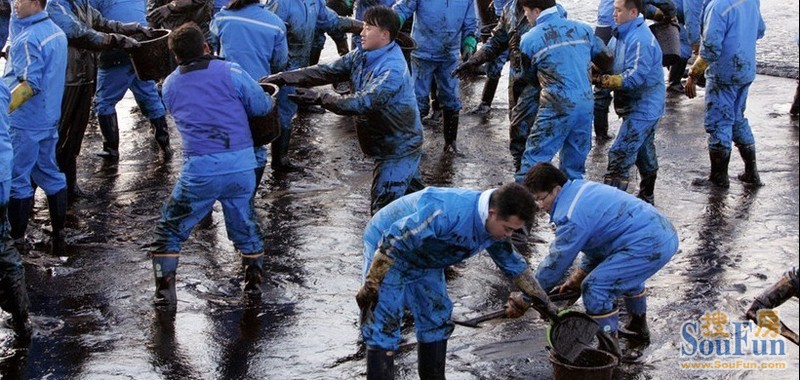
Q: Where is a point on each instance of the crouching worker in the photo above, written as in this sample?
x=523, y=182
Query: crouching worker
x=211, y=100
x=390, y=130
x=407, y=246
x=624, y=241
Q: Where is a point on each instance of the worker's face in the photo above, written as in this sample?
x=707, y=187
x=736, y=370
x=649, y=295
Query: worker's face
x=374, y=37
x=545, y=200
x=622, y=14
x=531, y=14
x=25, y=8
x=502, y=228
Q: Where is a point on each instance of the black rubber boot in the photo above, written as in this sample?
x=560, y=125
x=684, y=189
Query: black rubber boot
x=19, y=213
x=380, y=364
x=57, y=205
x=609, y=342
x=750, y=175
x=109, y=128
x=489, y=89
x=719, y=170
x=15, y=301
x=450, y=130
x=601, y=126
x=162, y=136
x=165, y=290
x=431, y=358
x=618, y=182
x=647, y=187
x=279, y=152
x=69, y=167
x=675, y=75
x=636, y=329
x=253, y=278
x=795, y=110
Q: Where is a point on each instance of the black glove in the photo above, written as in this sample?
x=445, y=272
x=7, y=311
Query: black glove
x=276, y=79
x=306, y=96
x=130, y=28
x=463, y=69
x=158, y=15
x=114, y=40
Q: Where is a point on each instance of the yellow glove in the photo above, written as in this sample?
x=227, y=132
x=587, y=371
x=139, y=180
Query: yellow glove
x=699, y=67
x=20, y=94
x=611, y=81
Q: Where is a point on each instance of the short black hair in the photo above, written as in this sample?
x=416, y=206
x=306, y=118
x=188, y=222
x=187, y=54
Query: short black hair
x=544, y=177
x=384, y=18
x=513, y=199
x=239, y=4
x=541, y=4
x=638, y=4
x=187, y=41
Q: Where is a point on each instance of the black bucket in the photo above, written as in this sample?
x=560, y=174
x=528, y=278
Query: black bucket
x=407, y=44
x=591, y=364
x=152, y=60
x=266, y=129
x=668, y=37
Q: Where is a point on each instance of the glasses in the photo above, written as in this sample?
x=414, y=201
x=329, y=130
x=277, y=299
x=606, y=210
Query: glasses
x=540, y=201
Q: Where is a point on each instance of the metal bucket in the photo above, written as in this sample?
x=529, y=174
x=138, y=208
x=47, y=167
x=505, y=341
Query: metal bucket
x=266, y=129
x=152, y=60
x=407, y=45
x=668, y=37
x=591, y=364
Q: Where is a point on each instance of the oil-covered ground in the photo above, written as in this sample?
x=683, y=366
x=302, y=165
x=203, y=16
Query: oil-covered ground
x=92, y=311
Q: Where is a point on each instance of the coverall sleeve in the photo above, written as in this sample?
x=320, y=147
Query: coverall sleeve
x=336, y=71
x=408, y=234
x=280, y=52
x=328, y=21
x=404, y=9
x=692, y=10
x=762, y=28
x=375, y=94
x=255, y=100
x=507, y=259
x=78, y=33
x=714, y=26
x=602, y=56
x=470, y=26
x=30, y=66
x=568, y=242
x=498, y=42
x=636, y=66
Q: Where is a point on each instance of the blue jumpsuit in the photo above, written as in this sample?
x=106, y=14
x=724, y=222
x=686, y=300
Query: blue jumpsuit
x=426, y=232
x=439, y=30
x=731, y=29
x=255, y=38
x=623, y=239
x=211, y=100
x=389, y=128
x=303, y=18
x=640, y=101
x=115, y=74
x=560, y=53
x=39, y=56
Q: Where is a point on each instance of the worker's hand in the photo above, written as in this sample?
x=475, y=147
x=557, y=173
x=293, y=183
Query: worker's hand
x=468, y=47
x=608, y=81
x=276, y=79
x=516, y=306
x=130, y=28
x=463, y=69
x=367, y=296
x=691, y=88
x=658, y=15
x=305, y=96
x=159, y=15
x=696, y=49
x=119, y=41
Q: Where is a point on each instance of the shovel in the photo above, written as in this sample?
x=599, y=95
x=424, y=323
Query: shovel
x=787, y=333
x=501, y=313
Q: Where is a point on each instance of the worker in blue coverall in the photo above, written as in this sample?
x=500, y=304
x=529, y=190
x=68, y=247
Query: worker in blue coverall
x=688, y=16
x=87, y=32
x=303, y=18
x=624, y=241
x=560, y=53
x=445, y=32
x=115, y=75
x=211, y=100
x=255, y=38
x=390, y=130
x=728, y=60
x=639, y=96
x=35, y=73
x=494, y=69
x=13, y=294
x=408, y=245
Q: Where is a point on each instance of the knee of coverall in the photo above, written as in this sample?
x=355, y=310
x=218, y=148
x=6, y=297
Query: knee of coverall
x=546, y=137
x=286, y=108
x=112, y=83
x=391, y=179
x=146, y=95
x=34, y=158
x=719, y=116
x=646, y=158
x=742, y=133
x=422, y=75
x=447, y=85
x=382, y=330
x=577, y=144
x=190, y=201
x=523, y=116
x=241, y=223
x=432, y=309
x=624, y=152
x=602, y=99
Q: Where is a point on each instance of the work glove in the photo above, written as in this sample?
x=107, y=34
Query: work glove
x=20, y=94
x=468, y=47
x=114, y=40
x=698, y=69
x=305, y=96
x=516, y=306
x=658, y=15
x=130, y=28
x=276, y=79
x=573, y=282
x=159, y=15
x=353, y=26
x=367, y=296
x=526, y=282
x=608, y=81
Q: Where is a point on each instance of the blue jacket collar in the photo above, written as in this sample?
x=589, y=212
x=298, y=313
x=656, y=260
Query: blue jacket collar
x=621, y=30
x=372, y=55
x=560, y=196
x=551, y=12
x=34, y=18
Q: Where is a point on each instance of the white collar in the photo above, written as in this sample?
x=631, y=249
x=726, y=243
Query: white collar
x=483, y=205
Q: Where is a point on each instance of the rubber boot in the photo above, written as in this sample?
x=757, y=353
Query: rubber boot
x=253, y=273
x=435, y=115
x=489, y=89
x=607, y=336
x=162, y=136
x=719, y=170
x=750, y=175
x=647, y=187
x=164, y=267
x=775, y=296
x=618, y=182
x=19, y=213
x=69, y=166
x=17, y=303
x=431, y=358
x=279, y=152
x=380, y=364
x=676, y=71
x=795, y=110
x=601, y=126
x=109, y=128
x=450, y=130
x=635, y=331
x=57, y=205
